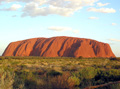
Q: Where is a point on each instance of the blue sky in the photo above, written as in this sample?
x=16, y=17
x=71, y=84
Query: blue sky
x=93, y=19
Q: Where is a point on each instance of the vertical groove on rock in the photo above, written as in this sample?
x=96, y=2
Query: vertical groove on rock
x=48, y=46
x=16, y=50
x=62, y=47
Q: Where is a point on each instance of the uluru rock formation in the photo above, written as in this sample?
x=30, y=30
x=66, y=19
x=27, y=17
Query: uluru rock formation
x=59, y=47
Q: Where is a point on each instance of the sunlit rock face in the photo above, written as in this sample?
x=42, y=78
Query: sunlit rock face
x=59, y=47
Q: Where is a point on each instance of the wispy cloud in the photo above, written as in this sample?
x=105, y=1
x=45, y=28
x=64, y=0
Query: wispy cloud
x=60, y=28
x=75, y=31
x=102, y=10
x=93, y=18
x=14, y=16
x=101, y=4
x=114, y=40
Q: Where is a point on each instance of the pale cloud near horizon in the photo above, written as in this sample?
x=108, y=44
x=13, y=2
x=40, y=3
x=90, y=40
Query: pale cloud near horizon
x=101, y=10
x=101, y=4
x=60, y=28
x=93, y=17
x=116, y=40
x=114, y=24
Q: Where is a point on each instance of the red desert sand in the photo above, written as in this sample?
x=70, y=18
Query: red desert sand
x=59, y=47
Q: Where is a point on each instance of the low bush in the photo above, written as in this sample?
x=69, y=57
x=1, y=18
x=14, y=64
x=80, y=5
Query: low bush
x=107, y=76
x=74, y=81
x=116, y=66
x=53, y=73
x=59, y=82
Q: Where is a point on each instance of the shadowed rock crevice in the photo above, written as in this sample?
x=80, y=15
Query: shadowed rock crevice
x=96, y=46
x=59, y=47
x=48, y=46
x=70, y=51
x=35, y=51
x=17, y=49
x=62, y=47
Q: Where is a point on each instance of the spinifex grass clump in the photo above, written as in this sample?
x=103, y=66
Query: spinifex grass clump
x=6, y=78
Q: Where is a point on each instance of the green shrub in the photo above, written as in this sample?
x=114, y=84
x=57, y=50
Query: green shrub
x=75, y=80
x=87, y=73
x=85, y=77
x=107, y=76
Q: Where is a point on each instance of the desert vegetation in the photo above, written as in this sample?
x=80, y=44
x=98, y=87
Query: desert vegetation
x=59, y=73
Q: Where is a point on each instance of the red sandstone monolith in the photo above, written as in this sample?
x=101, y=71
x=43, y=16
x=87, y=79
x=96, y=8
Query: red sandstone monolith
x=59, y=47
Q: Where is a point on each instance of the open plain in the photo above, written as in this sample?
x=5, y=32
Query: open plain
x=59, y=73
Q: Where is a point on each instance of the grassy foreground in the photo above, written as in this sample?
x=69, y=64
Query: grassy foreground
x=58, y=73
